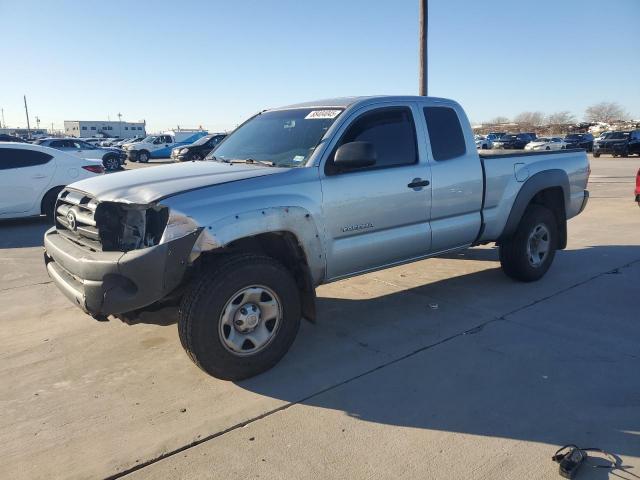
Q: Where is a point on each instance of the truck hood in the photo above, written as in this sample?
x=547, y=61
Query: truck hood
x=149, y=184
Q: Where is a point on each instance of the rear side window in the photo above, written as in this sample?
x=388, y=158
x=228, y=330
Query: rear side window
x=18, y=158
x=445, y=133
x=392, y=133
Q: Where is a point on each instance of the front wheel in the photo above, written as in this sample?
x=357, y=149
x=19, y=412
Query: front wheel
x=528, y=254
x=143, y=156
x=240, y=318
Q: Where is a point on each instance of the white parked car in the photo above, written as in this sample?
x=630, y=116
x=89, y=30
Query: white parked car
x=482, y=142
x=112, y=158
x=546, y=143
x=31, y=176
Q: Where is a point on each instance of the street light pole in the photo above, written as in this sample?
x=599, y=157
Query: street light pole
x=27, y=112
x=424, y=16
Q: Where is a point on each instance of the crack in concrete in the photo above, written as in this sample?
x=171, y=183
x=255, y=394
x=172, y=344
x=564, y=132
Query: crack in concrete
x=23, y=286
x=474, y=330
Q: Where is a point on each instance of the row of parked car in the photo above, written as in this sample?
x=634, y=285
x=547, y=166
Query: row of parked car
x=181, y=145
x=617, y=144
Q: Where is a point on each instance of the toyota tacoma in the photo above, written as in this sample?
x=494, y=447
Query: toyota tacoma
x=294, y=198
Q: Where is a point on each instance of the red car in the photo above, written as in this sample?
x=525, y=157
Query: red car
x=638, y=187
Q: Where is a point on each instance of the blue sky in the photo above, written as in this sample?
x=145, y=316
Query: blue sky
x=213, y=63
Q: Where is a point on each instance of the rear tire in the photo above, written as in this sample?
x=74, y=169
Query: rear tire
x=213, y=324
x=528, y=254
x=111, y=163
x=48, y=205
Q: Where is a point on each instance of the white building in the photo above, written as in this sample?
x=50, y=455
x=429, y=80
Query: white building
x=85, y=128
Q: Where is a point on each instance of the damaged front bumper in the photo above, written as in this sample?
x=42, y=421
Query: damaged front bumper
x=105, y=283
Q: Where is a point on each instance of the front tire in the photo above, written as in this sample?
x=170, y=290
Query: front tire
x=528, y=254
x=143, y=156
x=240, y=318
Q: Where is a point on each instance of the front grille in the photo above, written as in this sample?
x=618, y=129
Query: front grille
x=75, y=213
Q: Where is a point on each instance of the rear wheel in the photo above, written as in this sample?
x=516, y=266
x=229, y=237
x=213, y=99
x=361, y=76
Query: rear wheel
x=111, y=162
x=240, y=318
x=528, y=254
x=48, y=204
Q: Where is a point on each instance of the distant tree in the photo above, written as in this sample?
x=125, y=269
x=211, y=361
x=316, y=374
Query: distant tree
x=529, y=118
x=561, y=118
x=606, y=112
x=498, y=120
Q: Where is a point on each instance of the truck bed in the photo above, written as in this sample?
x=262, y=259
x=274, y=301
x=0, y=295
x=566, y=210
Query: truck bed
x=505, y=172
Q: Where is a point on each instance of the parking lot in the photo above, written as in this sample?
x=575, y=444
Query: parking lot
x=442, y=368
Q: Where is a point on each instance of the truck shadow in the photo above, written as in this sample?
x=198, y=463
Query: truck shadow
x=23, y=232
x=537, y=383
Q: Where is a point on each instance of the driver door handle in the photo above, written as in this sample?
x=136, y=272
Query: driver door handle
x=418, y=182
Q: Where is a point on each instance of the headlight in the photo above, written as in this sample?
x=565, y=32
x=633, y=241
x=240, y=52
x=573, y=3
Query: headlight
x=178, y=226
x=184, y=150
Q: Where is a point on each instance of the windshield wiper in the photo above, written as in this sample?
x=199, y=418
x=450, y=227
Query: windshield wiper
x=253, y=161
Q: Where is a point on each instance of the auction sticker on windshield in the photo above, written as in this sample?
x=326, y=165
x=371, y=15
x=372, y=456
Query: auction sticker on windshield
x=322, y=114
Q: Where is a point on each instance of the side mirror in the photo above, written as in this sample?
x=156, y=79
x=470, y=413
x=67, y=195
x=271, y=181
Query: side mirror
x=355, y=155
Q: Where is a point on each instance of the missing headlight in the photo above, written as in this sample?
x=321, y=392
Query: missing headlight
x=123, y=227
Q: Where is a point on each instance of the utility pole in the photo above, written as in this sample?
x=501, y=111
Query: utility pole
x=51, y=128
x=27, y=112
x=4, y=125
x=38, y=122
x=120, y=124
x=424, y=23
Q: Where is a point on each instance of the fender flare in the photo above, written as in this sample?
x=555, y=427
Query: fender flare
x=534, y=185
x=293, y=219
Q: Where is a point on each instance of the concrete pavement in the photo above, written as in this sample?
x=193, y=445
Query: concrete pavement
x=439, y=369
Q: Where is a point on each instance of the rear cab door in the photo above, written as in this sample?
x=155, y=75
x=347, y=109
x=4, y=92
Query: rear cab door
x=373, y=216
x=457, y=176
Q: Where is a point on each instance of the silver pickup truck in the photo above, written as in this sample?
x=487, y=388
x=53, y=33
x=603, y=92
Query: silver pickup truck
x=296, y=197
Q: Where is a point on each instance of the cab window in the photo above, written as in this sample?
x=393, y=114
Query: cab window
x=392, y=133
x=445, y=133
x=17, y=158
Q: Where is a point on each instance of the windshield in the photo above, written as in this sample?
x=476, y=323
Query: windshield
x=149, y=139
x=573, y=137
x=287, y=138
x=542, y=139
x=203, y=140
x=508, y=137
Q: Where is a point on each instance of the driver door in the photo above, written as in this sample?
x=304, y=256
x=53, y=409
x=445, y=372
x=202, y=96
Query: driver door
x=379, y=215
x=86, y=150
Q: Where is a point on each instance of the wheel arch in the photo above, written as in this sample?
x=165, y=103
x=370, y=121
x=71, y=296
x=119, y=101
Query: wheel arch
x=287, y=234
x=549, y=189
x=57, y=189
